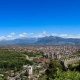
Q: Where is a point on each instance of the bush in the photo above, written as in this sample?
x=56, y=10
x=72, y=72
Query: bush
x=68, y=75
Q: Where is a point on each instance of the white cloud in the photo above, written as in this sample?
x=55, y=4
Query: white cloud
x=23, y=35
x=10, y=36
x=69, y=36
x=44, y=32
x=6, y=38
x=12, y=33
x=53, y=34
x=63, y=35
x=39, y=36
x=2, y=38
x=74, y=36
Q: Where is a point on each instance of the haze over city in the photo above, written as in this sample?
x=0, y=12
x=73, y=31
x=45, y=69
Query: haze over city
x=39, y=18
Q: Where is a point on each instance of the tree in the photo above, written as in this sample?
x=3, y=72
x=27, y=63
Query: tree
x=52, y=69
x=1, y=79
x=68, y=75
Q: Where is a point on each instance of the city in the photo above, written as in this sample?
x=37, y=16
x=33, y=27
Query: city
x=39, y=39
x=40, y=57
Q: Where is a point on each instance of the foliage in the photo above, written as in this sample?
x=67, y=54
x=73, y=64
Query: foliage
x=76, y=67
x=11, y=60
x=33, y=54
x=52, y=69
x=64, y=75
x=1, y=79
x=42, y=77
x=68, y=75
x=29, y=62
x=30, y=54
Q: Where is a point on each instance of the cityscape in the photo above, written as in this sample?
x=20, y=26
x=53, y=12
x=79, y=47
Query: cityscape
x=39, y=40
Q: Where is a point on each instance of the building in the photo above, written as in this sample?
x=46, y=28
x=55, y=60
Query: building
x=30, y=71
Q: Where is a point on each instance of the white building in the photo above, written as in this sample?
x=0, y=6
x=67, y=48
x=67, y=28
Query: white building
x=30, y=71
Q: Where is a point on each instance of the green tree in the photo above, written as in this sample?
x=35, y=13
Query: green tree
x=68, y=75
x=1, y=79
x=52, y=69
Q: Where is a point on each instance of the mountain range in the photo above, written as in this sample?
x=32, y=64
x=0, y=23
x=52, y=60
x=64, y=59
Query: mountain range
x=47, y=40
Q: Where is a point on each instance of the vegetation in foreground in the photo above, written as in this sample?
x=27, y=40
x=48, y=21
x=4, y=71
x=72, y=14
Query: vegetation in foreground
x=55, y=72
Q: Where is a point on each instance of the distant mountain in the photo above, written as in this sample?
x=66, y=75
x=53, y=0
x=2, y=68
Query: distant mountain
x=19, y=41
x=53, y=40
x=25, y=41
x=48, y=40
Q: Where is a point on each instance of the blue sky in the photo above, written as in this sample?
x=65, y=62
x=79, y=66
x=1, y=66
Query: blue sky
x=31, y=18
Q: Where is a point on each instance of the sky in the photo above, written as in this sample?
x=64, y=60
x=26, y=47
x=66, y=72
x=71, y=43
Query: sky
x=39, y=18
